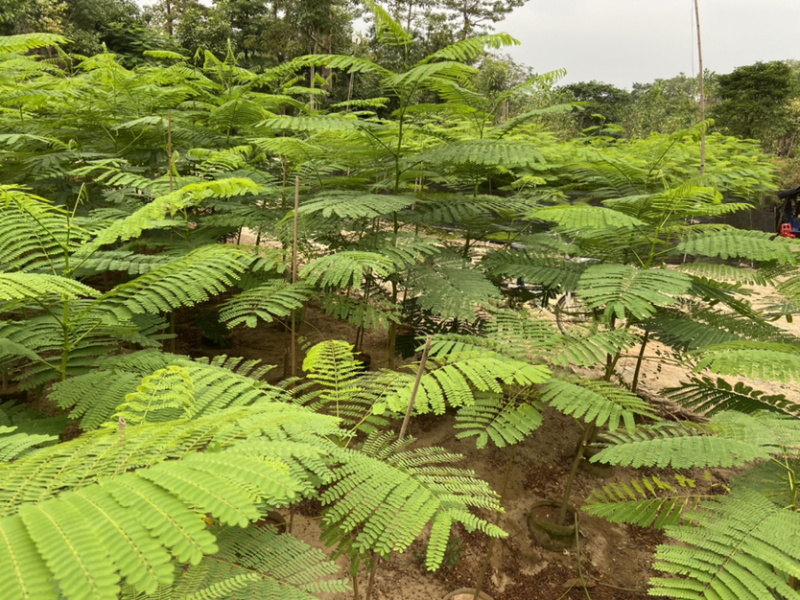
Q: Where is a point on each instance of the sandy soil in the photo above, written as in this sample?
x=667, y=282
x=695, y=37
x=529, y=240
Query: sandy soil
x=615, y=559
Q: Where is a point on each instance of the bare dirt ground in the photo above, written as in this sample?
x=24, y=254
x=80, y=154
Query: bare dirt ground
x=615, y=560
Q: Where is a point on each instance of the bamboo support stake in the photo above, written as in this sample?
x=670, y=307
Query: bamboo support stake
x=417, y=382
x=294, y=275
x=702, y=88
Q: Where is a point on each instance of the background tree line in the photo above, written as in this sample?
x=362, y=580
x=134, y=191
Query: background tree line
x=759, y=101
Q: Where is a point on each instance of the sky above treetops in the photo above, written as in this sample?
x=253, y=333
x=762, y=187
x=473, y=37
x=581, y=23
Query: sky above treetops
x=627, y=41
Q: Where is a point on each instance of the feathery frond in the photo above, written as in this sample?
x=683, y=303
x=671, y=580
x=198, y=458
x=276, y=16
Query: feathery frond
x=647, y=502
x=502, y=419
x=596, y=401
x=736, y=243
x=386, y=495
x=623, y=290
x=741, y=547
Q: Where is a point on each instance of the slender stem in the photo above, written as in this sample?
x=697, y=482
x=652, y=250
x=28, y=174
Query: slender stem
x=578, y=556
x=490, y=548
x=371, y=579
x=562, y=515
x=639, y=359
x=391, y=342
x=417, y=382
x=355, y=586
x=65, y=350
x=169, y=151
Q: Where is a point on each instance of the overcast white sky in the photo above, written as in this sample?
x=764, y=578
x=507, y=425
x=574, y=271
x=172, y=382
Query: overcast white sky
x=625, y=41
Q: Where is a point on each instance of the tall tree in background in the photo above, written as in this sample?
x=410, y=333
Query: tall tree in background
x=755, y=102
x=88, y=23
x=449, y=20
x=478, y=16
x=665, y=105
x=604, y=105
x=267, y=33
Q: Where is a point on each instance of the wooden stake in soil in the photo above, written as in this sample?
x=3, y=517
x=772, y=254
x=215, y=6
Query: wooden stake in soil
x=294, y=274
x=417, y=382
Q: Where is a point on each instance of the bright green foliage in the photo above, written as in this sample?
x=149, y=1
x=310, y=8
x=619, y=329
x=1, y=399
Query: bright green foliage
x=623, y=290
x=740, y=547
x=587, y=217
x=453, y=291
x=547, y=270
x=486, y=153
x=345, y=269
x=734, y=243
x=355, y=206
x=389, y=494
x=211, y=387
x=117, y=524
x=596, y=401
x=275, y=298
x=33, y=232
x=187, y=281
x=757, y=360
x=252, y=563
x=162, y=396
x=332, y=366
x=592, y=349
x=731, y=439
x=647, y=502
x=29, y=286
x=504, y=420
x=455, y=383
x=153, y=214
x=14, y=444
x=125, y=189
x=709, y=396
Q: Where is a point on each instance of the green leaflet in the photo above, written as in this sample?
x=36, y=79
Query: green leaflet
x=624, y=290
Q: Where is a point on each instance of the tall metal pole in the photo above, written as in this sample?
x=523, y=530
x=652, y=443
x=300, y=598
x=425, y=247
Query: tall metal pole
x=702, y=87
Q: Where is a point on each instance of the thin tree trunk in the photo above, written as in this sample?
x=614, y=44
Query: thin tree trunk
x=562, y=516
x=639, y=359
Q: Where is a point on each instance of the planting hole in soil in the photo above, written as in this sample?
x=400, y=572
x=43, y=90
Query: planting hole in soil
x=544, y=529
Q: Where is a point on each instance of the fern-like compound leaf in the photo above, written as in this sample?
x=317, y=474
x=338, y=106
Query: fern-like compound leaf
x=28, y=286
x=252, y=563
x=349, y=205
x=709, y=396
x=165, y=395
x=596, y=401
x=194, y=278
x=382, y=503
x=453, y=292
x=733, y=243
x=647, y=502
x=741, y=547
x=581, y=217
x=503, y=420
x=624, y=290
x=345, y=269
x=730, y=439
x=275, y=298
x=756, y=360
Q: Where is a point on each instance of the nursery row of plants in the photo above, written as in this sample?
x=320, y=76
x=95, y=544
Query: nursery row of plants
x=131, y=471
